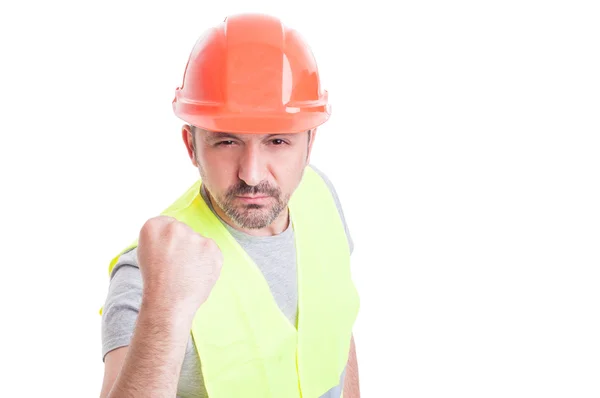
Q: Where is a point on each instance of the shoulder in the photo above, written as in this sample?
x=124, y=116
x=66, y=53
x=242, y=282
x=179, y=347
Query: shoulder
x=126, y=259
x=338, y=202
x=125, y=285
x=122, y=303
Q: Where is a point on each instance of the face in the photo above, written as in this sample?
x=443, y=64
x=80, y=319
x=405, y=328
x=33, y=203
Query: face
x=249, y=177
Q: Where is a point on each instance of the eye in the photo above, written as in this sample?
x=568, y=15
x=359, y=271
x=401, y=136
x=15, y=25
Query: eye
x=225, y=143
x=278, y=141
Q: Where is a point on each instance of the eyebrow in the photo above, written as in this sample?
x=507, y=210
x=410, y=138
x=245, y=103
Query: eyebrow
x=218, y=135
x=212, y=136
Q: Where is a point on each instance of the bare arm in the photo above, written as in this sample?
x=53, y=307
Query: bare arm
x=351, y=384
x=179, y=269
x=151, y=365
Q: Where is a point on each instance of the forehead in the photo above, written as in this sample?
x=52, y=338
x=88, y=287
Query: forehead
x=216, y=135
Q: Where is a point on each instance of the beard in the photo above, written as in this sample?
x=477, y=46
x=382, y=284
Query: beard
x=253, y=215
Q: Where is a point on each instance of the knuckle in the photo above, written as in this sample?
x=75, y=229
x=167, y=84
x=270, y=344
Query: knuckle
x=157, y=222
x=156, y=226
x=209, y=244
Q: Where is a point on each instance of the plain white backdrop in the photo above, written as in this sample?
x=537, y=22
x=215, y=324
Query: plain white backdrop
x=464, y=145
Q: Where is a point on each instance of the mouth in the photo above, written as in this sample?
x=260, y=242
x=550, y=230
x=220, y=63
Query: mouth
x=253, y=199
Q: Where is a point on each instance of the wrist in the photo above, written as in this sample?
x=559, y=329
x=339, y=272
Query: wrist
x=169, y=312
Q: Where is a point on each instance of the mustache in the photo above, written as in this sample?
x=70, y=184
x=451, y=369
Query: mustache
x=264, y=188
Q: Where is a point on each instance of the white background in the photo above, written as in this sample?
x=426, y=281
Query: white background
x=463, y=144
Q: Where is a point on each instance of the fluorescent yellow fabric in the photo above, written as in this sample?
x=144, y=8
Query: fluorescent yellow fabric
x=247, y=346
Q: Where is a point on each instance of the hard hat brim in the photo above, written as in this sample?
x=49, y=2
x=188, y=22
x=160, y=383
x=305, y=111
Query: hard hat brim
x=294, y=120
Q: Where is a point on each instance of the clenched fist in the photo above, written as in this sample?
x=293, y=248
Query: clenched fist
x=179, y=267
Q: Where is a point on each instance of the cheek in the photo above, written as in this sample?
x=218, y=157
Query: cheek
x=219, y=174
x=288, y=171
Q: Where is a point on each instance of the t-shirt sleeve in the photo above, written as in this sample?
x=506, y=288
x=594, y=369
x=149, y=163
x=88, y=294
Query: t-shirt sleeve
x=122, y=303
x=338, y=204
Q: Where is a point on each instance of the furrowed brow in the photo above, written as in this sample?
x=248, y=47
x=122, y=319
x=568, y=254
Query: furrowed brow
x=214, y=136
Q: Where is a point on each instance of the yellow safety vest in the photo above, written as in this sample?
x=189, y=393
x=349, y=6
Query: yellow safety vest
x=248, y=348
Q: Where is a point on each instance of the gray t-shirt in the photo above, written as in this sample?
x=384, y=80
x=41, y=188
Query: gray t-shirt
x=274, y=255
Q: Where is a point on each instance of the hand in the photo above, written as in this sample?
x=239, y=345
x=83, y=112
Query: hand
x=179, y=267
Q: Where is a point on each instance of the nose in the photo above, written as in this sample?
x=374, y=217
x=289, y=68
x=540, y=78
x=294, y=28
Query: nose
x=252, y=168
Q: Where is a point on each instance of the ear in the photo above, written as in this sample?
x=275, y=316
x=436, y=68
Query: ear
x=187, y=136
x=310, y=144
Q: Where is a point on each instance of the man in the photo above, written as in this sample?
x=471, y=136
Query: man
x=253, y=259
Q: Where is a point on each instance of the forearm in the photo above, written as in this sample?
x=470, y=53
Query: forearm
x=155, y=356
x=351, y=384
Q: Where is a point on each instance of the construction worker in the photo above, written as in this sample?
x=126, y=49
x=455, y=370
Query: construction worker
x=242, y=286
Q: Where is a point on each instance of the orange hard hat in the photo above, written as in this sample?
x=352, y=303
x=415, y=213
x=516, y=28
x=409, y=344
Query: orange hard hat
x=252, y=74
